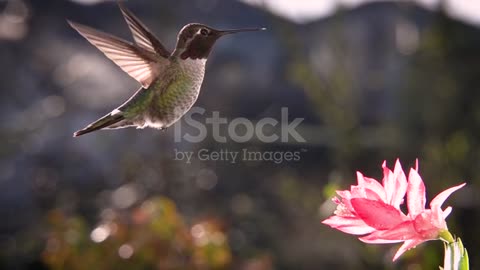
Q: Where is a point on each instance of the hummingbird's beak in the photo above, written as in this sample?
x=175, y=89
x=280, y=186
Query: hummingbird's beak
x=233, y=31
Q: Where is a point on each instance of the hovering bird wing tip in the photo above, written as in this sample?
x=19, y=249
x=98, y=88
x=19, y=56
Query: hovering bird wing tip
x=142, y=36
x=121, y=4
x=72, y=24
x=77, y=26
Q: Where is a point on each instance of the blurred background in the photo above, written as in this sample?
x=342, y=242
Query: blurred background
x=373, y=80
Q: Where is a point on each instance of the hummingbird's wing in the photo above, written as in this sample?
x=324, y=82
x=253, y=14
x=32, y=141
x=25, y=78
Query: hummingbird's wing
x=142, y=35
x=140, y=63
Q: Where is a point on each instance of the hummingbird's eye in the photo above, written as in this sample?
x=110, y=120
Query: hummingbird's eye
x=204, y=32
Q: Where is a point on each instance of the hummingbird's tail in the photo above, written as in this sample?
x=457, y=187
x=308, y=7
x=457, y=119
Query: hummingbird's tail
x=103, y=122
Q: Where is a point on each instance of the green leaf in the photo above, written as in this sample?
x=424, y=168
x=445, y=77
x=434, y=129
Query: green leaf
x=456, y=256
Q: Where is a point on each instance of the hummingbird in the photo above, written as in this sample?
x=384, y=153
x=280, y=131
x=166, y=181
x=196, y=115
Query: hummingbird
x=170, y=82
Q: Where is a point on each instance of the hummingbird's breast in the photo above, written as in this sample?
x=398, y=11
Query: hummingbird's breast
x=176, y=92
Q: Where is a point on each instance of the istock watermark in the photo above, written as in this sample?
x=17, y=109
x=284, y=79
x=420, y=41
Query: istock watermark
x=236, y=156
x=240, y=129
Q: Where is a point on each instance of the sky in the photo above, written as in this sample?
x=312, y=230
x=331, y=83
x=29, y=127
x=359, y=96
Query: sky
x=303, y=11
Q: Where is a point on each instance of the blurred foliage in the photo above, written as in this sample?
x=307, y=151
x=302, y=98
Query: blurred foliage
x=151, y=236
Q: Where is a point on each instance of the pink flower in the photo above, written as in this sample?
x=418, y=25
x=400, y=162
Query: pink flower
x=373, y=209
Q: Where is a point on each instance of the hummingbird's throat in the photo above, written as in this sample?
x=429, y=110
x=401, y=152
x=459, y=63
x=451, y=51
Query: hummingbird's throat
x=194, y=54
x=198, y=48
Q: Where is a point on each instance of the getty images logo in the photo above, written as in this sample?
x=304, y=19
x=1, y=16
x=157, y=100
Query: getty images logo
x=267, y=130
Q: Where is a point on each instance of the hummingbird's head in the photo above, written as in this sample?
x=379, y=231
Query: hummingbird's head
x=195, y=41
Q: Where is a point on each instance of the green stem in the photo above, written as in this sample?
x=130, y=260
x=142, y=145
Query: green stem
x=446, y=236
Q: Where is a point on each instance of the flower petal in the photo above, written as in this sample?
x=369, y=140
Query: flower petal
x=402, y=232
x=374, y=239
x=406, y=246
x=387, y=175
x=395, y=185
x=344, y=194
x=400, y=185
x=446, y=212
x=428, y=224
x=371, y=184
x=377, y=214
x=415, y=194
x=348, y=225
x=442, y=196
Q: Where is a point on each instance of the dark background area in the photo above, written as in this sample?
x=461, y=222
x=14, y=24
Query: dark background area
x=377, y=82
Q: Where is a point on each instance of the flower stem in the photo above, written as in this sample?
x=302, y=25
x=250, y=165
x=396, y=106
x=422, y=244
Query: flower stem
x=446, y=236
